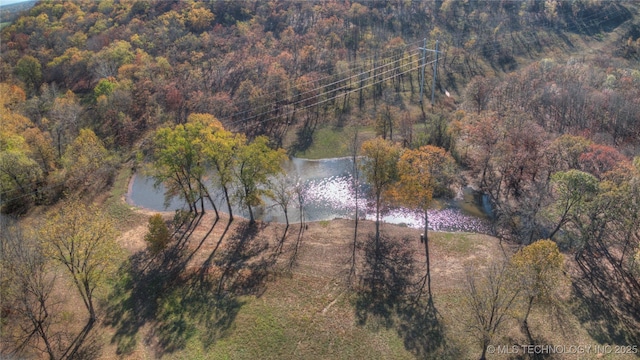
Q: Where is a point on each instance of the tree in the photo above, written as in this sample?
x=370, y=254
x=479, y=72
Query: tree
x=81, y=238
x=106, y=62
x=538, y=267
x=199, y=19
x=283, y=192
x=41, y=148
x=598, y=159
x=220, y=148
x=65, y=112
x=423, y=174
x=29, y=70
x=565, y=151
x=571, y=189
x=29, y=310
x=489, y=299
x=385, y=121
x=256, y=163
x=477, y=94
x=380, y=170
x=87, y=162
x=158, y=236
x=105, y=87
x=19, y=179
x=179, y=158
x=354, y=146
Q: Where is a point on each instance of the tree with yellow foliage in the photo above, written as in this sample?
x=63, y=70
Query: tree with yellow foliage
x=88, y=164
x=179, y=161
x=81, y=238
x=380, y=170
x=256, y=163
x=539, y=268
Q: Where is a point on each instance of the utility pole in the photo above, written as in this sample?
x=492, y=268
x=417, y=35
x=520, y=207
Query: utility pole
x=435, y=74
x=424, y=63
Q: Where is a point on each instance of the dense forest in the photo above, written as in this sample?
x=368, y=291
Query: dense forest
x=122, y=69
x=536, y=105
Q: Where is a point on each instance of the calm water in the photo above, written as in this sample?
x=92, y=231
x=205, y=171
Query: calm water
x=329, y=194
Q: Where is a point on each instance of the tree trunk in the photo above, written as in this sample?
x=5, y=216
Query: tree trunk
x=354, y=248
x=251, y=219
x=484, y=351
x=525, y=324
x=377, y=219
x=226, y=197
x=426, y=251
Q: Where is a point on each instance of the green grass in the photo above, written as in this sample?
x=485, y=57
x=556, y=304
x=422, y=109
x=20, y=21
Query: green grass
x=458, y=243
x=114, y=205
x=273, y=327
x=287, y=322
x=331, y=142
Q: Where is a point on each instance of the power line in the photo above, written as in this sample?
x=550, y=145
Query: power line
x=321, y=94
x=312, y=90
x=337, y=96
x=497, y=42
x=350, y=69
x=580, y=24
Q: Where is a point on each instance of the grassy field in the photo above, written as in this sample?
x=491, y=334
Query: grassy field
x=238, y=295
x=115, y=203
x=331, y=142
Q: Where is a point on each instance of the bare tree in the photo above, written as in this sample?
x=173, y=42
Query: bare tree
x=300, y=194
x=489, y=299
x=283, y=192
x=28, y=303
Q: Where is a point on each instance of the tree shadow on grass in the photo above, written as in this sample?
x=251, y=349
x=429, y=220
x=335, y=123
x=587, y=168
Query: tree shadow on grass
x=244, y=262
x=385, y=279
x=383, y=298
x=422, y=330
x=179, y=304
x=304, y=137
x=608, y=307
x=192, y=310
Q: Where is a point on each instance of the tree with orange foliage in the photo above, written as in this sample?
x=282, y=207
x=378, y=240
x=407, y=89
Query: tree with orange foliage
x=424, y=173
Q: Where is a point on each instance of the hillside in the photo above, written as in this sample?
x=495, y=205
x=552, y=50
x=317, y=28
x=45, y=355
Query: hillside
x=533, y=106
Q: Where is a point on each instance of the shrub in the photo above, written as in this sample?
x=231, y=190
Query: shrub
x=158, y=236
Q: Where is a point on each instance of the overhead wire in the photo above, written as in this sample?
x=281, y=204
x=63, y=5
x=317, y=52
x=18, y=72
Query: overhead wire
x=291, y=83
x=498, y=42
x=312, y=90
x=331, y=90
x=340, y=95
x=579, y=25
x=27, y=194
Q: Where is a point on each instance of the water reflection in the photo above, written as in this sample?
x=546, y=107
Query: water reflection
x=329, y=194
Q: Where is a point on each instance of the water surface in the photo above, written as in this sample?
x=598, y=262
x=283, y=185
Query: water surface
x=329, y=194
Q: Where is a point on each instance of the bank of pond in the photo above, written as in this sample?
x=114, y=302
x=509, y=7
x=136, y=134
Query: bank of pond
x=329, y=193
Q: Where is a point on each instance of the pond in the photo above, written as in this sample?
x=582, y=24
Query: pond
x=329, y=194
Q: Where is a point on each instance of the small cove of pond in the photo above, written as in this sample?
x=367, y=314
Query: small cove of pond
x=329, y=194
